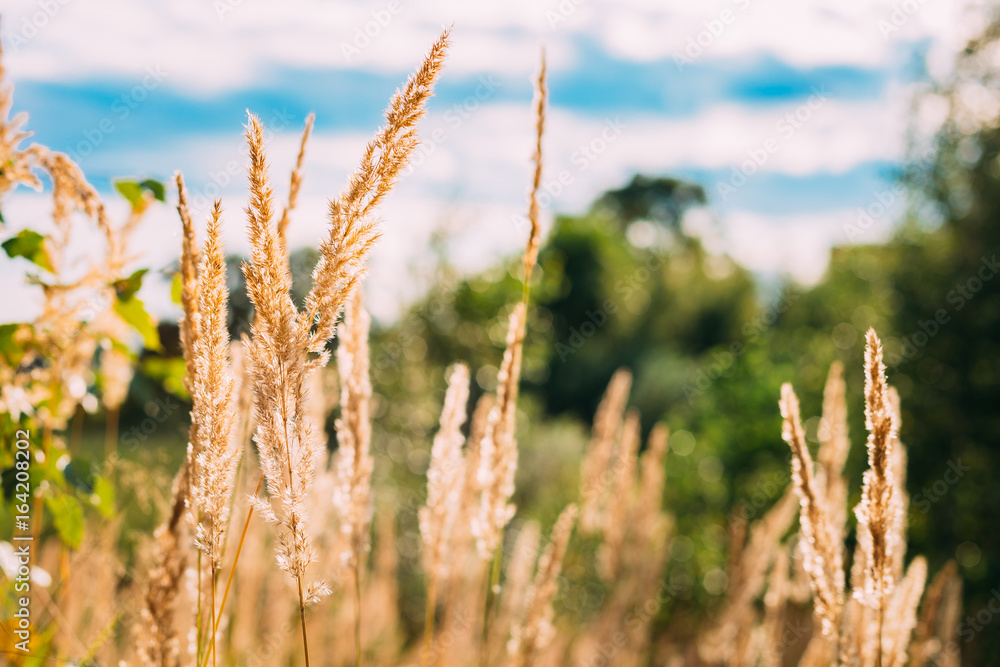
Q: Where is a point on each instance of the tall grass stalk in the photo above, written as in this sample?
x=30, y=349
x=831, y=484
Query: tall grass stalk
x=777, y=571
x=232, y=568
x=446, y=478
x=357, y=614
x=498, y=462
x=429, y=614
x=289, y=345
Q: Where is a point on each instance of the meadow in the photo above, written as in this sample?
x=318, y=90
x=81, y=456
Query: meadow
x=300, y=488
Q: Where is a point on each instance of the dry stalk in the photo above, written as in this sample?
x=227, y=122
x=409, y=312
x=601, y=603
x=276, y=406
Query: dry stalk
x=820, y=546
x=877, y=510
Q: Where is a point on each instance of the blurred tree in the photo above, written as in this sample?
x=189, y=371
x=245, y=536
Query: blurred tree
x=649, y=299
x=626, y=285
x=662, y=200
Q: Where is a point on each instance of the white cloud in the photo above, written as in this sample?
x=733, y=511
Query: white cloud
x=797, y=246
x=488, y=155
x=801, y=34
x=473, y=173
x=205, y=52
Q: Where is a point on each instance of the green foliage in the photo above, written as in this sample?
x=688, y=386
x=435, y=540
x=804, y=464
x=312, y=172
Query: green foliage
x=167, y=371
x=710, y=348
x=126, y=288
x=176, y=287
x=662, y=200
x=626, y=285
x=30, y=245
x=104, y=497
x=10, y=350
x=67, y=516
x=135, y=192
x=650, y=309
x=133, y=311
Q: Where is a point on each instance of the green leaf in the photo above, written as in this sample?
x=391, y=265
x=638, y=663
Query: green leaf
x=30, y=245
x=67, y=515
x=132, y=191
x=169, y=372
x=134, y=313
x=135, y=192
x=126, y=288
x=159, y=192
x=79, y=475
x=176, y=287
x=104, y=496
x=9, y=350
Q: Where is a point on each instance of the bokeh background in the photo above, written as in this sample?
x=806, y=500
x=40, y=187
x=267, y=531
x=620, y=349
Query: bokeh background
x=734, y=192
x=689, y=90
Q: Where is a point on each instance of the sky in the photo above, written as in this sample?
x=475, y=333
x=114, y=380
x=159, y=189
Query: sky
x=793, y=116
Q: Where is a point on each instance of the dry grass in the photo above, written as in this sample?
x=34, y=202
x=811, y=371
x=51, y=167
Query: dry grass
x=321, y=508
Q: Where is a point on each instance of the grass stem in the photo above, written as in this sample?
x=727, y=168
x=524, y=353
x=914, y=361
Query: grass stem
x=236, y=559
x=429, y=620
x=357, y=610
x=215, y=621
x=302, y=618
x=492, y=588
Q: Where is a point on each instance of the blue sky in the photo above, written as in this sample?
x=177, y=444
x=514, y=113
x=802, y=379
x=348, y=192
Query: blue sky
x=820, y=93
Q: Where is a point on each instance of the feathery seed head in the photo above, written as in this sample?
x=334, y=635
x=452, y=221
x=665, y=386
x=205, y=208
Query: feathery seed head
x=534, y=239
x=876, y=511
x=352, y=496
x=821, y=550
x=213, y=397
x=594, y=482
x=536, y=631
x=352, y=230
x=445, y=475
x=294, y=185
x=498, y=450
